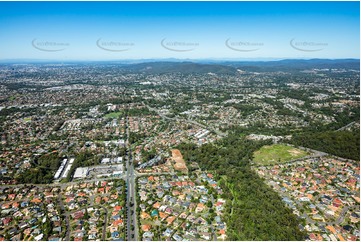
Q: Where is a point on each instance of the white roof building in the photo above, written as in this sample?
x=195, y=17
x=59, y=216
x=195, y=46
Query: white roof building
x=81, y=172
x=105, y=161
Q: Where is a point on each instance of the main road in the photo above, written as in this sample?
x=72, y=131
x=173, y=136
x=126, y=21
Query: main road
x=132, y=224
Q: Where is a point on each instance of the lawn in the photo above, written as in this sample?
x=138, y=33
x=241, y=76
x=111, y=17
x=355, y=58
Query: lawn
x=278, y=153
x=113, y=115
x=27, y=119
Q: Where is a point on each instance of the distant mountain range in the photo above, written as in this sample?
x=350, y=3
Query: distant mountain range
x=232, y=67
x=296, y=64
x=182, y=67
x=156, y=66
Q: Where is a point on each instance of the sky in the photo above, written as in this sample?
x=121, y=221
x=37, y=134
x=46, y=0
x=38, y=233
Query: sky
x=182, y=30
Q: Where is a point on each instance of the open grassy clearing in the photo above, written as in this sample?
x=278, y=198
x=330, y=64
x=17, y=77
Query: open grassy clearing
x=113, y=115
x=277, y=153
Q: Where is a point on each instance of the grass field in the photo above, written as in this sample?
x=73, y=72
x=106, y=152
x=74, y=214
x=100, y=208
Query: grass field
x=278, y=153
x=27, y=119
x=113, y=115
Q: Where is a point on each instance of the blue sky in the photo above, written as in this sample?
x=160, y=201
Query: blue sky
x=196, y=30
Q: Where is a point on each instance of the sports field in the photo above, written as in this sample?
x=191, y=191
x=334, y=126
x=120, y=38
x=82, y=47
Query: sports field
x=113, y=115
x=278, y=153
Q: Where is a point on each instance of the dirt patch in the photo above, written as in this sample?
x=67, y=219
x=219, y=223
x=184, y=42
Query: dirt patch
x=177, y=154
x=295, y=152
x=180, y=164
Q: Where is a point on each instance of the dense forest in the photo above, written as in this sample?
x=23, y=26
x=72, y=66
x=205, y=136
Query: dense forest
x=344, y=144
x=253, y=211
x=43, y=173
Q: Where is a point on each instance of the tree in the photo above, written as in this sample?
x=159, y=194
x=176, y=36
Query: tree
x=209, y=204
x=86, y=215
x=253, y=210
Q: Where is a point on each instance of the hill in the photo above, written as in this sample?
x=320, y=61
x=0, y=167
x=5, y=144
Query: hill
x=180, y=67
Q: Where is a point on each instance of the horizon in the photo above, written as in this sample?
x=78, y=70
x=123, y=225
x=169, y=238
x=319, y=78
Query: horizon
x=133, y=31
x=172, y=60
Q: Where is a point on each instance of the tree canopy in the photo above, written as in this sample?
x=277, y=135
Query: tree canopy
x=253, y=211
